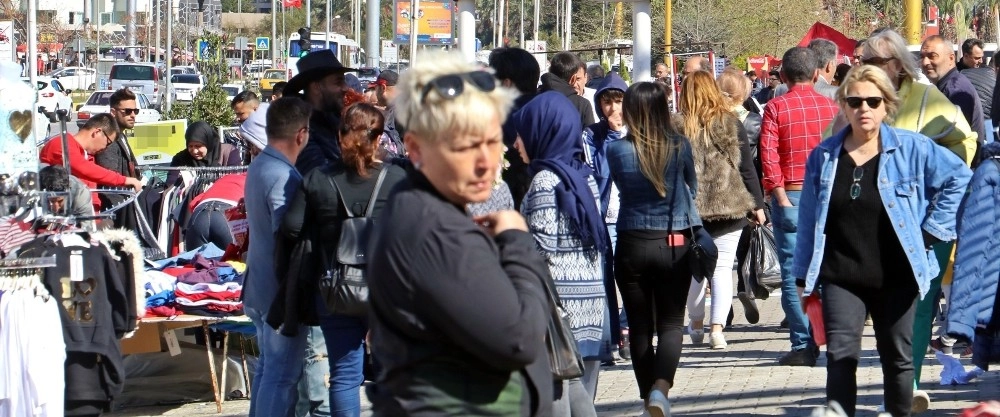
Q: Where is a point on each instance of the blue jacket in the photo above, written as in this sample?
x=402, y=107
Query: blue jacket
x=921, y=185
x=977, y=268
x=598, y=135
x=642, y=208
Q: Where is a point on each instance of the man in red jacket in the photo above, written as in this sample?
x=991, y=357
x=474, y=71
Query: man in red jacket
x=92, y=138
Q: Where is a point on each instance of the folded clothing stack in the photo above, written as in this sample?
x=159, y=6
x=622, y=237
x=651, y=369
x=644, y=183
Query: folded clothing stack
x=195, y=285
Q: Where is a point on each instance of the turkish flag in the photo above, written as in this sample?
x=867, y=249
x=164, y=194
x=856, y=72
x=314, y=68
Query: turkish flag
x=291, y=3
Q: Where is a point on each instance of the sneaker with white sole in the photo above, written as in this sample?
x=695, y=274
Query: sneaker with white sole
x=697, y=336
x=659, y=405
x=921, y=402
x=717, y=340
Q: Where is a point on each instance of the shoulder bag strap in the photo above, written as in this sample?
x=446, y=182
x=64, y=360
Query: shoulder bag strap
x=374, y=196
x=343, y=203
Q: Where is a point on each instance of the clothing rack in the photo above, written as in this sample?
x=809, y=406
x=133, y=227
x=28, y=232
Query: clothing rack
x=28, y=263
x=130, y=194
x=228, y=169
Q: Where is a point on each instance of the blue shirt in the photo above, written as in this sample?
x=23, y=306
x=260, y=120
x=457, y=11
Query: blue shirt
x=272, y=181
x=596, y=139
x=642, y=207
x=920, y=183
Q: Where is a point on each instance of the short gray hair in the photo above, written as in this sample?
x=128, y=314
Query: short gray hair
x=825, y=50
x=436, y=117
x=887, y=43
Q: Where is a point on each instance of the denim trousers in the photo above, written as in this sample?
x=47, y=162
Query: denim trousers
x=314, y=395
x=654, y=279
x=345, y=347
x=721, y=282
x=207, y=224
x=273, y=390
x=892, y=310
x=786, y=220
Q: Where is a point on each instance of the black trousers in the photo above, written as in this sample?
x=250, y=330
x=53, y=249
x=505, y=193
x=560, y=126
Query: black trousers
x=892, y=310
x=208, y=224
x=653, y=279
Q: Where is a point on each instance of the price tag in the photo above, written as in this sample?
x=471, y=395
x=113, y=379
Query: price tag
x=76, y=266
x=173, y=346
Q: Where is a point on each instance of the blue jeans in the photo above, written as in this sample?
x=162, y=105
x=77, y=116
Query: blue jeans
x=345, y=337
x=786, y=220
x=990, y=135
x=273, y=391
x=314, y=396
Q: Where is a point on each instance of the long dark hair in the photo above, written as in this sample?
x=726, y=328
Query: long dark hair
x=360, y=129
x=647, y=115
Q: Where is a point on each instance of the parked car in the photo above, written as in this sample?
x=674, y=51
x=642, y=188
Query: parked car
x=100, y=102
x=51, y=94
x=368, y=75
x=76, y=78
x=139, y=77
x=269, y=78
x=232, y=90
x=183, y=87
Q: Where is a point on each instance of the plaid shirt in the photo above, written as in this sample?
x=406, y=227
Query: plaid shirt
x=793, y=125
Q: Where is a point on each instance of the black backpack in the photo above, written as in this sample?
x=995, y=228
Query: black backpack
x=343, y=284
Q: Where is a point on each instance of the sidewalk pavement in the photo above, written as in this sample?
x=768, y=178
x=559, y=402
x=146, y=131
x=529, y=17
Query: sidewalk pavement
x=742, y=380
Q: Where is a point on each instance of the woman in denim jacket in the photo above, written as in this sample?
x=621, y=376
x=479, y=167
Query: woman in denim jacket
x=874, y=197
x=654, y=172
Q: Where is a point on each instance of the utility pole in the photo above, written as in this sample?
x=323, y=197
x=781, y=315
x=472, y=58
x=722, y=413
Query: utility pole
x=668, y=29
x=130, y=7
x=274, y=30
x=169, y=54
x=327, y=37
x=372, y=31
x=521, y=27
x=414, y=31
x=308, y=14
x=568, y=21
x=912, y=22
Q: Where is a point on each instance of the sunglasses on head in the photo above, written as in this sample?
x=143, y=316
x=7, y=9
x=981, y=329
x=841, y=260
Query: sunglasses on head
x=129, y=111
x=450, y=86
x=855, y=102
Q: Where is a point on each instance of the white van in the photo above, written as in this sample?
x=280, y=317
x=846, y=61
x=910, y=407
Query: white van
x=138, y=77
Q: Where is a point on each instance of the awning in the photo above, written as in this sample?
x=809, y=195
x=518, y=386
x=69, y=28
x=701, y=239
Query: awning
x=42, y=47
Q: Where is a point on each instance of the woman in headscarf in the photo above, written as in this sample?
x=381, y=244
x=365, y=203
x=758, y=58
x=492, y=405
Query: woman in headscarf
x=204, y=149
x=569, y=231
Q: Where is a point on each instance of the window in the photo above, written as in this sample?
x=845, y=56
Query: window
x=102, y=98
x=132, y=72
x=186, y=79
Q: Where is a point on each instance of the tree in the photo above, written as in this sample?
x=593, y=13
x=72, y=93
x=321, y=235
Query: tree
x=211, y=103
x=233, y=6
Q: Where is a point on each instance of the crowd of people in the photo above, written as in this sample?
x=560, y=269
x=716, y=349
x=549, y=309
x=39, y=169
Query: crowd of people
x=505, y=197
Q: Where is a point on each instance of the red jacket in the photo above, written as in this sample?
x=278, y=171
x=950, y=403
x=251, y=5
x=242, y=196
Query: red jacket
x=82, y=165
x=228, y=188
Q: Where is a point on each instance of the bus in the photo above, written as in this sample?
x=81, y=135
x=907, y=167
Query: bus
x=348, y=51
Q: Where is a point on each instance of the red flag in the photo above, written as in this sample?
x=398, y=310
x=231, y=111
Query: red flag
x=291, y=3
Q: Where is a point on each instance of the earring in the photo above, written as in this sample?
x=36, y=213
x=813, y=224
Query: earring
x=417, y=165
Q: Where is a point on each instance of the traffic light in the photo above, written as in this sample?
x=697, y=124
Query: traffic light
x=305, y=43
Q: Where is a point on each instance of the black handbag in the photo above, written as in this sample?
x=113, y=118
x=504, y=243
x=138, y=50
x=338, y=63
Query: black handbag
x=343, y=285
x=703, y=254
x=565, y=361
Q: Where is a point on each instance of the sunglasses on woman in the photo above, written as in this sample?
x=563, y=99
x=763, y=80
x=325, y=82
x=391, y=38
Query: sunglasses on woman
x=450, y=86
x=855, y=102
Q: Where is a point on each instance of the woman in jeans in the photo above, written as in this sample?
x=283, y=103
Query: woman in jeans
x=458, y=303
x=565, y=220
x=654, y=172
x=318, y=207
x=729, y=191
x=874, y=200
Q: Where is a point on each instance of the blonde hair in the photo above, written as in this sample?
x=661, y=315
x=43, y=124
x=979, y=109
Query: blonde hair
x=735, y=86
x=874, y=75
x=437, y=117
x=701, y=103
x=645, y=112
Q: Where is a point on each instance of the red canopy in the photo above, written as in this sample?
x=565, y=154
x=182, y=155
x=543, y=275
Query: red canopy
x=845, y=45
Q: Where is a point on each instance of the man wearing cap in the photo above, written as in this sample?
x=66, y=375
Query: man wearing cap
x=385, y=91
x=320, y=82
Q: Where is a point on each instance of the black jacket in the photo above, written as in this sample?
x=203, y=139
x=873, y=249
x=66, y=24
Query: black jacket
x=311, y=229
x=323, y=147
x=118, y=157
x=554, y=83
x=457, y=315
x=983, y=79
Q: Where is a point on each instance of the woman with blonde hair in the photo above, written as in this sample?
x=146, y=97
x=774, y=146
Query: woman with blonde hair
x=655, y=176
x=729, y=192
x=458, y=305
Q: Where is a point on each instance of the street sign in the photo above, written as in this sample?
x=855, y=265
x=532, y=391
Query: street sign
x=241, y=42
x=234, y=62
x=389, y=51
x=263, y=44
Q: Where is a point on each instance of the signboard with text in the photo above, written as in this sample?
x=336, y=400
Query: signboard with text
x=434, y=22
x=389, y=52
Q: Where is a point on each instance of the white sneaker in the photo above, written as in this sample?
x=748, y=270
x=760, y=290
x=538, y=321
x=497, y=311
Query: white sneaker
x=717, y=340
x=921, y=402
x=659, y=405
x=697, y=336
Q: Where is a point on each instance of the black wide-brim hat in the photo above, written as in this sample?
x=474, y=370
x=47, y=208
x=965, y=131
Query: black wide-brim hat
x=312, y=67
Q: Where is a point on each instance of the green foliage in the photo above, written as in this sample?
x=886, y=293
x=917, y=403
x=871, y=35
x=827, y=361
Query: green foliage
x=211, y=104
x=739, y=62
x=233, y=6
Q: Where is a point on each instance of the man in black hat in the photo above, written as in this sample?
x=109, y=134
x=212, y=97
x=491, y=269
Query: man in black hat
x=385, y=91
x=321, y=82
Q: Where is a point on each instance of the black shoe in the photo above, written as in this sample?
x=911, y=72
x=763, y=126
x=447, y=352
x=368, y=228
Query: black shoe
x=801, y=357
x=784, y=323
x=749, y=307
x=625, y=353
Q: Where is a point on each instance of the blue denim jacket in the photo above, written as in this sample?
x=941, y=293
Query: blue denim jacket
x=642, y=208
x=921, y=185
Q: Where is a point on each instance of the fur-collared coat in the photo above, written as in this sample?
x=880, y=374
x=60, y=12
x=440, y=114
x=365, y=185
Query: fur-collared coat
x=722, y=192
